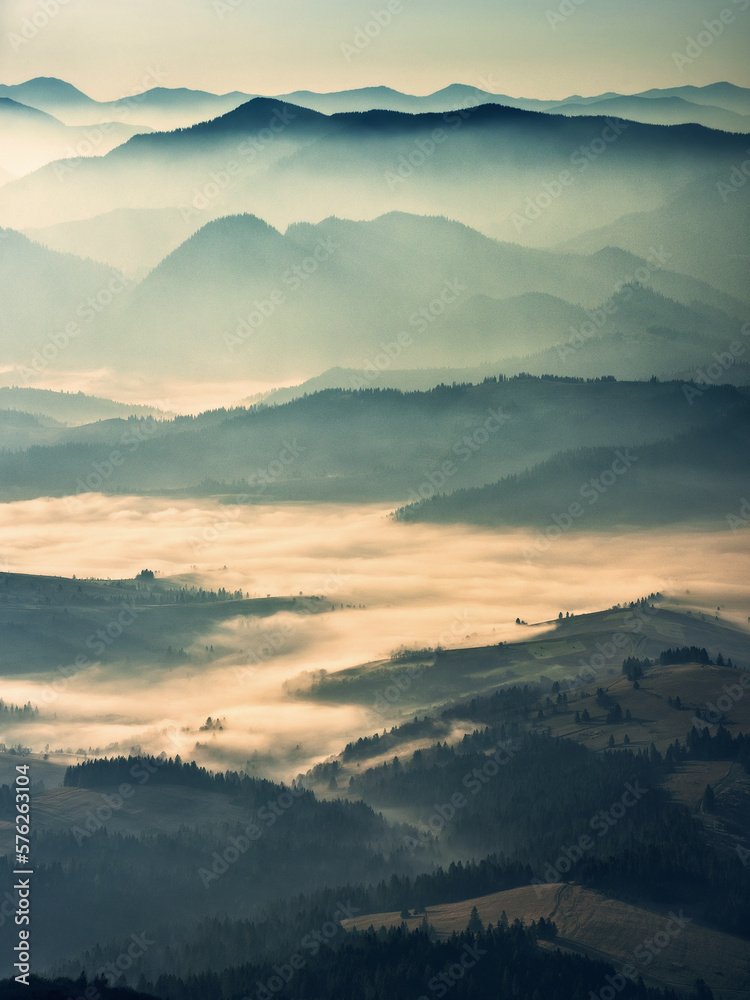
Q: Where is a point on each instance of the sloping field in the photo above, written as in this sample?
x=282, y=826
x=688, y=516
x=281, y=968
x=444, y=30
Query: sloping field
x=663, y=950
x=654, y=720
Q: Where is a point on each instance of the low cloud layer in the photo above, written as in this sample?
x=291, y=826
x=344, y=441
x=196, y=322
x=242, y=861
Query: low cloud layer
x=409, y=585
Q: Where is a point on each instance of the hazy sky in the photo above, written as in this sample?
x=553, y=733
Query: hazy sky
x=109, y=48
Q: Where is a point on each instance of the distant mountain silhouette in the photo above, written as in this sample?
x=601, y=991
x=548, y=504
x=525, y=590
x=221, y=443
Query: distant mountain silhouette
x=157, y=107
x=495, y=168
x=32, y=138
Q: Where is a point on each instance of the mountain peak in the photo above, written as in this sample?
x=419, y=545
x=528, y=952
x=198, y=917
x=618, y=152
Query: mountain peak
x=259, y=111
x=52, y=86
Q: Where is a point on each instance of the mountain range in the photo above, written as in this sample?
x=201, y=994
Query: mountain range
x=386, y=445
x=397, y=292
x=276, y=242
x=723, y=105
x=518, y=175
x=32, y=138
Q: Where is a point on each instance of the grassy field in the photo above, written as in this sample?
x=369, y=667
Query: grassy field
x=572, y=648
x=654, y=720
x=569, y=657
x=602, y=928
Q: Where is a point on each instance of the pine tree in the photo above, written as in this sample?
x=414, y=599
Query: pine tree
x=475, y=924
x=708, y=803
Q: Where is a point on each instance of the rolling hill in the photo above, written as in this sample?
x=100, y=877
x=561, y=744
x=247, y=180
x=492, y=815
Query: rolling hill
x=130, y=240
x=48, y=300
x=387, y=445
x=590, y=923
x=71, y=408
x=401, y=291
x=495, y=168
x=705, y=226
x=700, y=476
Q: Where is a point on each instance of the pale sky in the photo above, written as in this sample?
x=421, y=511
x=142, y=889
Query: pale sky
x=109, y=48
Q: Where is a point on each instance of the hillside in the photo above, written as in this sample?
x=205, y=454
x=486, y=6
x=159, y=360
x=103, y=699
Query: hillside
x=42, y=322
x=383, y=444
x=705, y=225
x=32, y=138
x=490, y=164
x=239, y=298
x=609, y=487
x=71, y=408
x=567, y=652
x=131, y=240
x=51, y=619
x=420, y=292
x=591, y=924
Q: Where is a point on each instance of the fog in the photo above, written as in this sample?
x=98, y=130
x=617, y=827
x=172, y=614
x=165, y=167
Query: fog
x=420, y=586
